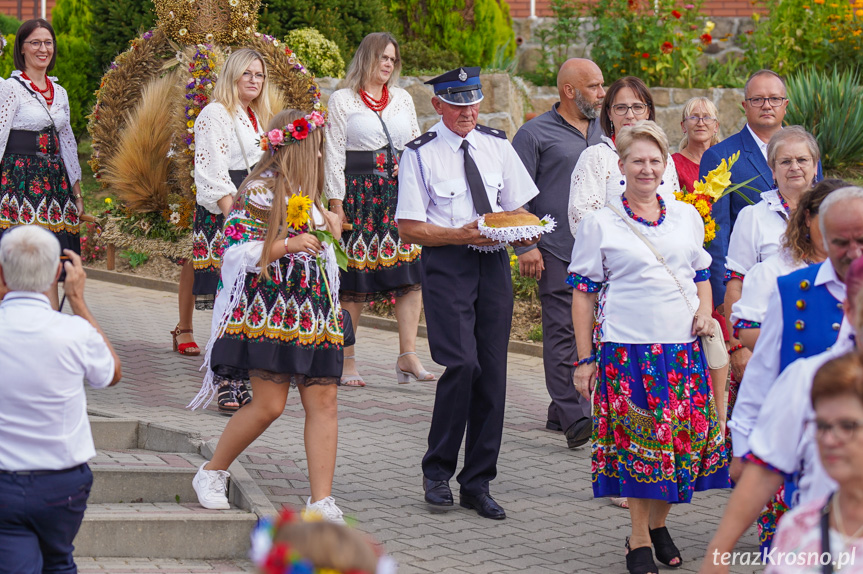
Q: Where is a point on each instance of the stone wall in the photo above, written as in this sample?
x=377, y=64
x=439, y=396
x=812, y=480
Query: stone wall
x=508, y=100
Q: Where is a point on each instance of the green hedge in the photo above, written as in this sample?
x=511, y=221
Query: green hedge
x=115, y=22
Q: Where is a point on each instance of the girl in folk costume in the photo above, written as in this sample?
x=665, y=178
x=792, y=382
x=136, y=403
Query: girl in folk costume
x=277, y=320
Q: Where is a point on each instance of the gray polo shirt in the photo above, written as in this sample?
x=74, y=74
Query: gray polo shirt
x=550, y=147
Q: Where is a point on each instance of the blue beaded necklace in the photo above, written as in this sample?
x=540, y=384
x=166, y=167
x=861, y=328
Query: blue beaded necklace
x=640, y=219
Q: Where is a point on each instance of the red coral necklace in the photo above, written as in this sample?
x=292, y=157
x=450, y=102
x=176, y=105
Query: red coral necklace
x=47, y=93
x=373, y=104
x=252, y=118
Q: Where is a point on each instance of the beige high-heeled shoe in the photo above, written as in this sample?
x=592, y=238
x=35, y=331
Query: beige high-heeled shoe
x=404, y=377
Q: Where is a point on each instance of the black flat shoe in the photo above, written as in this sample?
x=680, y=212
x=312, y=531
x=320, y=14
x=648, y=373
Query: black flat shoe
x=438, y=495
x=484, y=505
x=666, y=551
x=579, y=433
x=640, y=560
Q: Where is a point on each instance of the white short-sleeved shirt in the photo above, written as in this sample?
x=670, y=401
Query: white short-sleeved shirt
x=763, y=367
x=780, y=436
x=756, y=233
x=440, y=194
x=44, y=358
x=642, y=303
x=596, y=178
x=760, y=283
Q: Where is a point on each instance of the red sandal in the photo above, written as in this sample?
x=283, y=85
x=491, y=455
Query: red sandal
x=187, y=349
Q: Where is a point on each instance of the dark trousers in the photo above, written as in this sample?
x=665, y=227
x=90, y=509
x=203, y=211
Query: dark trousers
x=558, y=344
x=39, y=517
x=467, y=297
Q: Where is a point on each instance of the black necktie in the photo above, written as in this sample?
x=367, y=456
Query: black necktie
x=474, y=182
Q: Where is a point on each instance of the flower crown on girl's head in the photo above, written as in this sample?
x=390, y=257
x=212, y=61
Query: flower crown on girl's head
x=294, y=132
x=279, y=558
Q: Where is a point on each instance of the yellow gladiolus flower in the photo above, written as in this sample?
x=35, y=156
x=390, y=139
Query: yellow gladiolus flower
x=298, y=210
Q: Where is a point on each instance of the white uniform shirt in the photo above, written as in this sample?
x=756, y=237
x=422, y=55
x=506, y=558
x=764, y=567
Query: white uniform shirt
x=756, y=233
x=44, y=358
x=642, y=303
x=780, y=437
x=597, y=178
x=760, y=284
x=444, y=199
x=763, y=367
x=353, y=126
x=218, y=149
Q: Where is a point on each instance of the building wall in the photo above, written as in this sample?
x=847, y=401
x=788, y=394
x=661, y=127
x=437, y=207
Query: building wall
x=25, y=9
x=716, y=8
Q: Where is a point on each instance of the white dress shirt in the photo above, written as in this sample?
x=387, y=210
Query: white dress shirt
x=44, y=358
x=763, y=367
x=756, y=233
x=762, y=145
x=597, y=178
x=760, y=284
x=219, y=148
x=641, y=302
x=440, y=194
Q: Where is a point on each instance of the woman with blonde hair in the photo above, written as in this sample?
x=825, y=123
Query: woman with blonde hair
x=277, y=321
x=700, y=125
x=227, y=133
x=371, y=120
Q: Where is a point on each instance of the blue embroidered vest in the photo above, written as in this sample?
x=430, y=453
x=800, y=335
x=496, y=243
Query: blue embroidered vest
x=811, y=316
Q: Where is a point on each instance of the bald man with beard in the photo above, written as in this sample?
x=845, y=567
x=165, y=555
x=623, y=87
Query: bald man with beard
x=549, y=146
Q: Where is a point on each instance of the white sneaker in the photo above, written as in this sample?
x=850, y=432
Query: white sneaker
x=211, y=486
x=325, y=508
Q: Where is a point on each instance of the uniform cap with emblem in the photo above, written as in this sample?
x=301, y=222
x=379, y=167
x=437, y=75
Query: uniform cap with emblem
x=459, y=87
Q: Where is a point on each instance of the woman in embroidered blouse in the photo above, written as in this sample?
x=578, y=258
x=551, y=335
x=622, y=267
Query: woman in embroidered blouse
x=656, y=437
x=596, y=178
x=277, y=321
x=800, y=245
x=837, y=397
x=227, y=137
x=40, y=181
x=362, y=186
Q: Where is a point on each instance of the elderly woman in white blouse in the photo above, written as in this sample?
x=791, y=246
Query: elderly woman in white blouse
x=596, y=177
x=371, y=120
x=656, y=435
x=227, y=146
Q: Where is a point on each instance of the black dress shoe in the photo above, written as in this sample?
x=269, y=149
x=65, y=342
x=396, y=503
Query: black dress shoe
x=437, y=492
x=579, y=433
x=553, y=426
x=484, y=505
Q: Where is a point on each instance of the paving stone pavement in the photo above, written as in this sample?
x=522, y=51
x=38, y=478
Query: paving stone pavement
x=553, y=522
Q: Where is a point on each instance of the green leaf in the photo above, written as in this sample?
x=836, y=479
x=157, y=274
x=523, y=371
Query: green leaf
x=327, y=237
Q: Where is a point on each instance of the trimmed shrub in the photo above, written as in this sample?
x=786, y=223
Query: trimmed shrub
x=418, y=58
x=73, y=17
x=320, y=56
x=474, y=29
x=115, y=23
x=9, y=25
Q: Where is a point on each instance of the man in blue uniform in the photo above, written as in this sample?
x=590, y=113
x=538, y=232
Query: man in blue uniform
x=449, y=176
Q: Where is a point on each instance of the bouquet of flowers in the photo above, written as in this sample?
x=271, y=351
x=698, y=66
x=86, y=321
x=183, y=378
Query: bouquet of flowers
x=715, y=185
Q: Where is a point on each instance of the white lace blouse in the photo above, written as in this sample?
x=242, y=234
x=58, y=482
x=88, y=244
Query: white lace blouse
x=353, y=126
x=597, y=178
x=20, y=110
x=218, y=149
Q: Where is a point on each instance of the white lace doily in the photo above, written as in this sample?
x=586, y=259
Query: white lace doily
x=518, y=233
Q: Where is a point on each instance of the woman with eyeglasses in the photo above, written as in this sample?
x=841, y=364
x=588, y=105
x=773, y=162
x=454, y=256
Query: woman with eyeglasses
x=227, y=146
x=371, y=120
x=41, y=178
x=596, y=177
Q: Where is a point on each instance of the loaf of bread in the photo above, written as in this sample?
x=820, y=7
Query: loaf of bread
x=509, y=219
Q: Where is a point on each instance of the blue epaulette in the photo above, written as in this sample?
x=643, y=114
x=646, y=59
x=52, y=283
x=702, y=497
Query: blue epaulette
x=490, y=131
x=422, y=140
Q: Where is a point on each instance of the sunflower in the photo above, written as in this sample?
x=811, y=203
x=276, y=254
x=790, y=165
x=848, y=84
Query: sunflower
x=298, y=210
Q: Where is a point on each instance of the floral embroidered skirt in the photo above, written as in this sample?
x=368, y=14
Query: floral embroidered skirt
x=208, y=245
x=35, y=189
x=379, y=264
x=655, y=430
x=282, y=327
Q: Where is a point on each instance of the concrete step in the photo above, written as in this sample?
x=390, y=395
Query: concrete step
x=137, y=475
x=167, y=530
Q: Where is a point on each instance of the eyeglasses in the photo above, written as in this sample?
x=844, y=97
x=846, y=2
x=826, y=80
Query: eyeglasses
x=249, y=76
x=774, y=101
x=39, y=43
x=390, y=59
x=623, y=109
x=706, y=120
x=842, y=430
x=802, y=162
